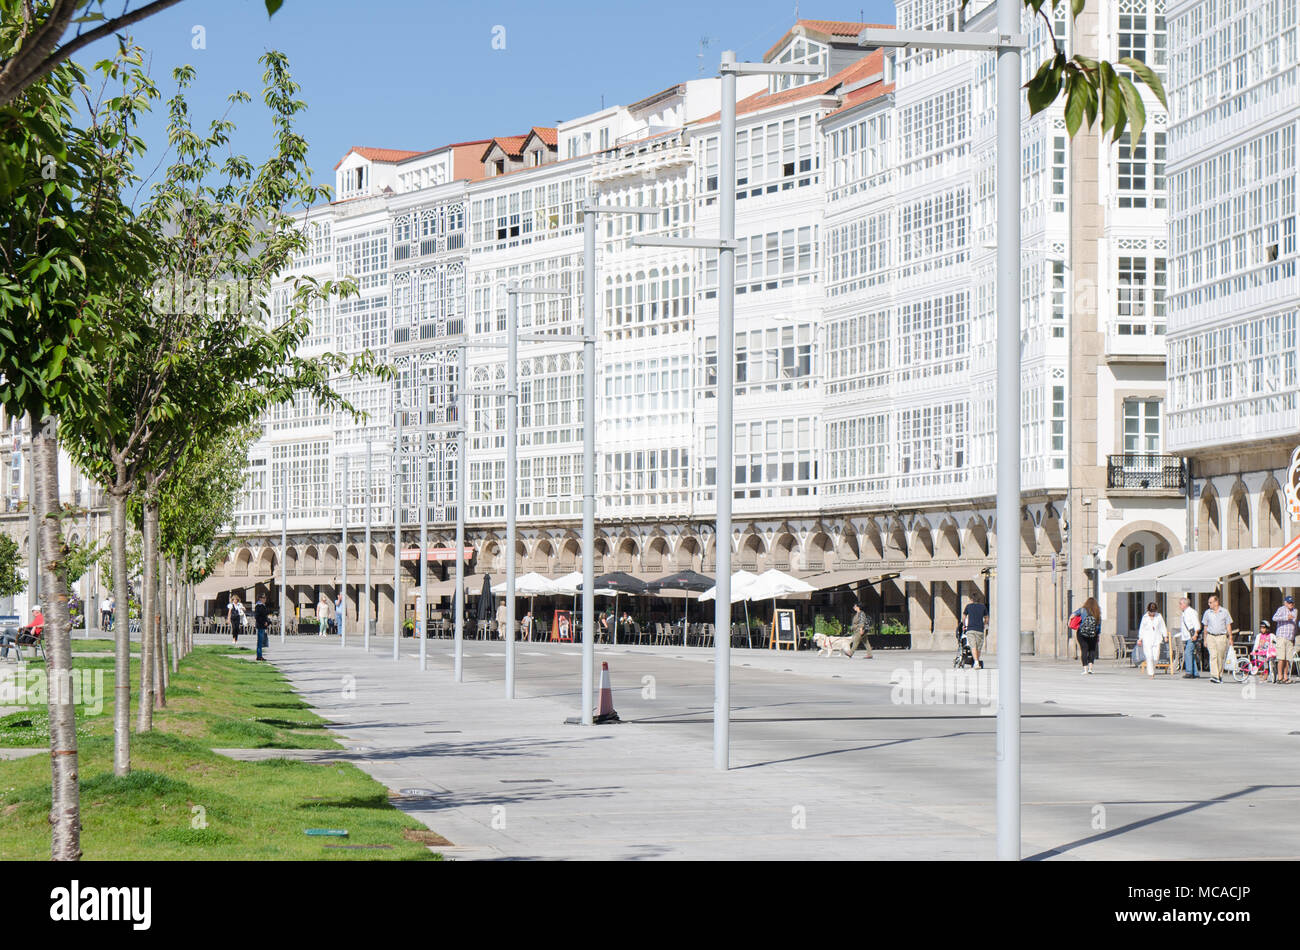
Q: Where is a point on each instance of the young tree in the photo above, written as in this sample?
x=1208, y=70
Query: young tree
x=66, y=238
x=37, y=39
x=11, y=579
x=206, y=355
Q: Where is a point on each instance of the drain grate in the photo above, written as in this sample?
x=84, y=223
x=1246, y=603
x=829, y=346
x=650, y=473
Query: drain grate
x=440, y=732
x=418, y=792
x=522, y=781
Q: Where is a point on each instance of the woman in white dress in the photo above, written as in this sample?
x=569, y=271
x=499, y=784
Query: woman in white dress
x=1152, y=632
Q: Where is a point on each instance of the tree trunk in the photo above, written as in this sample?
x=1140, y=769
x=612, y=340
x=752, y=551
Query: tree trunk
x=160, y=627
x=121, y=635
x=178, y=595
x=144, y=718
x=187, y=621
x=65, y=806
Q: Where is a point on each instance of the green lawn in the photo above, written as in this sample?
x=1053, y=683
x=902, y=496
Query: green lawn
x=252, y=810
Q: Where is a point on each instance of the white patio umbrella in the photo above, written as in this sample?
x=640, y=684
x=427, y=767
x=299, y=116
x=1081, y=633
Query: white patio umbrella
x=772, y=584
x=740, y=582
x=532, y=585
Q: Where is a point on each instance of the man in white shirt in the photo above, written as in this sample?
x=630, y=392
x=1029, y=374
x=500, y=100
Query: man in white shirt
x=1217, y=624
x=1188, y=626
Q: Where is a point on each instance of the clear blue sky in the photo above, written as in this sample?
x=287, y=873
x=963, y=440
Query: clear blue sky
x=416, y=74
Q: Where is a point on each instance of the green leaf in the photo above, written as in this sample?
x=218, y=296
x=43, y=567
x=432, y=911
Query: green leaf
x=272, y=6
x=1076, y=7
x=1073, y=103
x=1045, y=86
x=1147, y=75
x=1112, y=102
x=1137, y=113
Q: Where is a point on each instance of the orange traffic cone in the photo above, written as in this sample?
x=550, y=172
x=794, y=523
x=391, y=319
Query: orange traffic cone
x=605, y=710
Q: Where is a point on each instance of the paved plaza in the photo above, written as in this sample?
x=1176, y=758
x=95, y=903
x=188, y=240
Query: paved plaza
x=826, y=764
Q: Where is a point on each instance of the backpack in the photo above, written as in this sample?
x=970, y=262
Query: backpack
x=1088, y=625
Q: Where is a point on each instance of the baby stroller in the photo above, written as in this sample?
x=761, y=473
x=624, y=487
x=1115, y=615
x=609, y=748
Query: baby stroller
x=964, y=657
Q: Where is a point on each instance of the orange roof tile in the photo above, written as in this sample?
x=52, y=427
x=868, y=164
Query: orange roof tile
x=840, y=29
x=512, y=145
x=549, y=136
x=871, y=63
x=386, y=155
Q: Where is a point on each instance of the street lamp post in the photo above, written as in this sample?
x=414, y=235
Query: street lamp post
x=343, y=560
x=513, y=290
x=397, y=520
x=590, y=210
x=1006, y=43
x=725, y=244
x=462, y=496
x=423, y=613
x=369, y=514
x=284, y=548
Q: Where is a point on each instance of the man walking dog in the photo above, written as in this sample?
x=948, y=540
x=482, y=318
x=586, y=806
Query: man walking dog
x=859, y=627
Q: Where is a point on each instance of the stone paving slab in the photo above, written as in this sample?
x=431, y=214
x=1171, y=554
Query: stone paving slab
x=10, y=755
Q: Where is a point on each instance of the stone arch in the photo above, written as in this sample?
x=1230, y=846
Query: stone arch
x=922, y=546
x=750, y=552
x=570, y=556
x=291, y=561
x=1051, y=531
x=896, y=541
x=948, y=544
x=782, y=551
x=1269, y=517
x=819, y=553
x=626, y=554
x=1238, y=517
x=977, y=536
x=243, y=562
x=850, y=548
x=688, y=553
x=1208, y=535
x=266, y=564
x=543, y=556
x=656, y=555
x=1028, y=533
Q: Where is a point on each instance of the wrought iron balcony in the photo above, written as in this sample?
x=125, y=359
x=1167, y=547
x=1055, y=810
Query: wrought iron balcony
x=1146, y=471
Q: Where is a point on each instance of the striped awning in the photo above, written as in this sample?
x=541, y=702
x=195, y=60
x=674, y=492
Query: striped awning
x=1282, y=569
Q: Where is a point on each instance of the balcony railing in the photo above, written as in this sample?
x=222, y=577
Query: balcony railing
x=1146, y=471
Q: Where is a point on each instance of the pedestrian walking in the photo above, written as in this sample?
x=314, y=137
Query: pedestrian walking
x=338, y=612
x=1217, y=624
x=1189, y=634
x=975, y=620
x=325, y=614
x=261, y=620
x=1152, y=632
x=501, y=620
x=1284, y=630
x=1088, y=633
x=859, y=625
x=235, y=614
x=526, y=626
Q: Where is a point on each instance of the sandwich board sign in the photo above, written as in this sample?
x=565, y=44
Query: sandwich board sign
x=783, y=630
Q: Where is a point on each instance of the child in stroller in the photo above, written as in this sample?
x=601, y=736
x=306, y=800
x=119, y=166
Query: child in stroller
x=1260, y=661
x=964, y=657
